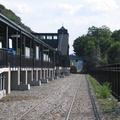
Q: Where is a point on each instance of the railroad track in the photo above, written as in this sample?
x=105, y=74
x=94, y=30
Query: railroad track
x=94, y=107
x=43, y=100
x=96, y=114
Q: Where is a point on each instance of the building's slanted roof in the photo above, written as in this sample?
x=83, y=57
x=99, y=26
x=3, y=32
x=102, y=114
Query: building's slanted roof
x=62, y=30
x=10, y=23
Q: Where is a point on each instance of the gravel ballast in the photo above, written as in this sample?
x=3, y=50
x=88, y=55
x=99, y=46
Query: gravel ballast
x=51, y=101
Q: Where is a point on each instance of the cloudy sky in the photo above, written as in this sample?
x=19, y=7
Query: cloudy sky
x=47, y=16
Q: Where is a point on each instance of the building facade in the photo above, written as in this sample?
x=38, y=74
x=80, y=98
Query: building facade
x=24, y=59
x=60, y=42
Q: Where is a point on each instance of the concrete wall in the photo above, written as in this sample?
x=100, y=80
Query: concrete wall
x=14, y=82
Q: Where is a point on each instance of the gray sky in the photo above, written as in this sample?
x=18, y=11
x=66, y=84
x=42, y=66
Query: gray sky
x=47, y=16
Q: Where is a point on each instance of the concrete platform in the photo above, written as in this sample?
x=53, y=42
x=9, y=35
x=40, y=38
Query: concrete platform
x=56, y=77
x=44, y=81
x=52, y=78
x=62, y=76
x=24, y=87
x=35, y=83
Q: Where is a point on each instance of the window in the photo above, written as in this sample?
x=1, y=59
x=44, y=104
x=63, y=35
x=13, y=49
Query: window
x=45, y=57
x=55, y=37
x=0, y=44
x=42, y=37
x=27, y=52
x=49, y=37
x=37, y=52
x=10, y=43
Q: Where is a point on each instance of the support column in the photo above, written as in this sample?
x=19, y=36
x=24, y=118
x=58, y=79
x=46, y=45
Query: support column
x=14, y=80
x=45, y=76
x=26, y=76
x=32, y=76
x=40, y=74
x=36, y=75
x=1, y=87
x=9, y=81
x=22, y=85
x=35, y=82
x=19, y=76
x=29, y=76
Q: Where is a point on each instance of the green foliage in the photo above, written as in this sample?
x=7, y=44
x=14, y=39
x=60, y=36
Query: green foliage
x=90, y=45
x=103, y=93
x=114, y=53
x=7, y=99
x=103, y=61
x=108, y=105
x=1, y=7
x=116, y=35
x=13, y=17
x=94, y=45
x=100, y=45
x=94, y=83
x=79, y=45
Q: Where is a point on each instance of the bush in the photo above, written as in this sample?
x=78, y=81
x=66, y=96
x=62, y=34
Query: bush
x=103, y=61
x=114, y=53
x=104, y=91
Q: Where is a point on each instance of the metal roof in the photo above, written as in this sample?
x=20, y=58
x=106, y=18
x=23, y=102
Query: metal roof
x=20, y=29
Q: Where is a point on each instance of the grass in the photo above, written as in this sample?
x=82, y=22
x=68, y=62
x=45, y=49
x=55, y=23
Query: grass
x=6, y=99
x=108, y=105
x=103, y=93
x=16, y=98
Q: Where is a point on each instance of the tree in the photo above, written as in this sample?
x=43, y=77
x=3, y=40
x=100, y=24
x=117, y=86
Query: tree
x=94, y=45
x=116, y=35
x=103, y=39
x=13, y=17
x=114, y=53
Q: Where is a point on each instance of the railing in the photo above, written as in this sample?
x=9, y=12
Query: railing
x=26, y=62
x=3, y=58
x=111, y=74
x=46, y=64
x=13, y=60
x=37, y=63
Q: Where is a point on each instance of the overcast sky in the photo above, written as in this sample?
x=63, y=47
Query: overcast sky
x=47, y=16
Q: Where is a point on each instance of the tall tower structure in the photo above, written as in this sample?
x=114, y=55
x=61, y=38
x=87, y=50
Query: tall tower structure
x=63, y=39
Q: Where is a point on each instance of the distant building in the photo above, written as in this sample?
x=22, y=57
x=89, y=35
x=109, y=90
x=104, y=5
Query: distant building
x=58, y=41
x=76, y=61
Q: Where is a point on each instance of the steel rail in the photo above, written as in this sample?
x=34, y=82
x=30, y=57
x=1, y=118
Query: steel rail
x=96, y=113
x=68, y=115
x=43, y=100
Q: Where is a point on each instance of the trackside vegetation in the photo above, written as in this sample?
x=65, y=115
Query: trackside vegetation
x=104, y=95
